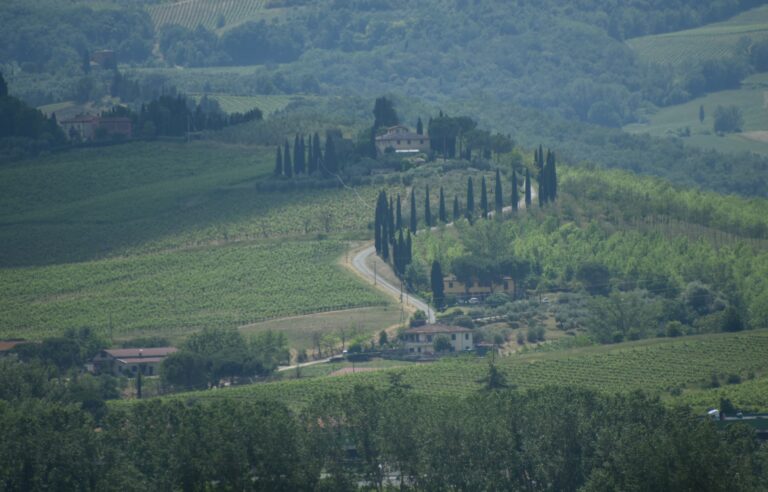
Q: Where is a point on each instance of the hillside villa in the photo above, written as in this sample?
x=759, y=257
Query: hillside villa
x=402, y=141
x=421, y=339
x=453, y=287
x=89, y=127
x=131, y=361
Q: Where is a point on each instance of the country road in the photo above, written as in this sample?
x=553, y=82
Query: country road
x=359, y=264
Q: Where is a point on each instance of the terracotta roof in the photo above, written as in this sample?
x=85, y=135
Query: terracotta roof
x=141, y=352
x=438, y=328
x=6, y=345
x=402, y=136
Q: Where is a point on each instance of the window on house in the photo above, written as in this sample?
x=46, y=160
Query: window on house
x=466, y=336
x=419, y=350
x=453, y=336
x=409, y=142
x=506, y=285
x=429, y=338
x=421, y=141
x=398, y=142
x=411, y=349
x=450, y=285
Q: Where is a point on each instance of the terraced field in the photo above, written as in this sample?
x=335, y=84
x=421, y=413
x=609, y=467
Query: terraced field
x=711, y=41
x=654, y=366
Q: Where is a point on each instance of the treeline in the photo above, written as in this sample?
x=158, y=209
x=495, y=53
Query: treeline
x=309, y=158
x=366, y=438
x=24, y=130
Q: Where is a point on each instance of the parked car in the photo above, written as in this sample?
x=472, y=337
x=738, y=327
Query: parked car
x=474, y=300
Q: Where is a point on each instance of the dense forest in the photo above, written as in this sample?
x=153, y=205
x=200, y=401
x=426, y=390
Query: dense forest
x=551, y=439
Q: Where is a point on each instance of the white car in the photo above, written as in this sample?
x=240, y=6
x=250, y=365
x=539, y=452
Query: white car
x=474, y=300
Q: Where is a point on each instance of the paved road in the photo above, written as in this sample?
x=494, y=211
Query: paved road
x=359, y=264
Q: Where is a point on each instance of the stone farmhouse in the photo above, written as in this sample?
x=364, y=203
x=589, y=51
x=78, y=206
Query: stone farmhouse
x=452, y=286
x=87, y=127
x=129, y=362
x=402, y=140
x=421, y=339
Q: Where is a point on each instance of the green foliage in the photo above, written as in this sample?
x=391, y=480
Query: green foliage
x=728, y=119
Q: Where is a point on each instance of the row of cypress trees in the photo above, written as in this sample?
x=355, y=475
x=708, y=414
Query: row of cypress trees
x=389, y=218
x=308, y=158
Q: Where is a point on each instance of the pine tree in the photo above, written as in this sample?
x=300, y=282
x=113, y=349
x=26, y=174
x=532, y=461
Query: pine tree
x=515, y=193
x=470, y=199
x=498, y=196
x=427, y=210
x=443, y=215
x=527, y=188
x=419, y=127
x=456, y=208
x=414, y=219
x=436, y=281
x=287, y=164
x=484, y=198
x=330, y=162
x=279, y=162
x=399, y=214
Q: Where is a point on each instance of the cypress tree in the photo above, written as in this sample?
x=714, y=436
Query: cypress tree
x=400, y=255
x=436, y=281
x=4, y=85
x=484, y=198
x=279, y=162
x=414, y=219
x=427, y=210
x=310, y=157
x=296, y=156
x=331, y=164
x=377, y=225
x=443, y=215
x=384, y=243
x=317, y=154
x=419, y=127
x=287, y=165
x=456, y=208
x=391, y=221
x=515, y=193
x=553, y=179
x=527, y=188
x=399, y=216
x=470, y=199
x=498, y=196
x=384, y=226
x=408, y=250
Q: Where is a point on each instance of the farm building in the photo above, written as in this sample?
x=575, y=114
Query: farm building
x=89, y=127
x=452, y=286
x=421, y=339
x=131, y=361
x=401, y=139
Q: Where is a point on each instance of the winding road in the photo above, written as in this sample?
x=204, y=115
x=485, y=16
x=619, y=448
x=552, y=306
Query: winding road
x=360, y=265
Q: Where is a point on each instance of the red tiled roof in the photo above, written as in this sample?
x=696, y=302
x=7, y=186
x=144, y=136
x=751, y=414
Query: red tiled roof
x=438, y=328
x=140, y=360
x=6, y=345
x=141, y=352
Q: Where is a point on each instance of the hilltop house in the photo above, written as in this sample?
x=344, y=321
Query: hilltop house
x=452, y=286
x=401, y=140
x=131, y=361
x=421, y=339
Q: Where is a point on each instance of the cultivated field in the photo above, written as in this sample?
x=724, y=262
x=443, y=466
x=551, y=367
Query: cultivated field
x=268, y=104
x=655, y=366
x=717, y=40
x=208, y=13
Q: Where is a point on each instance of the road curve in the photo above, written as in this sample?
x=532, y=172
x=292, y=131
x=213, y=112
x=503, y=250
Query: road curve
x=359, y=264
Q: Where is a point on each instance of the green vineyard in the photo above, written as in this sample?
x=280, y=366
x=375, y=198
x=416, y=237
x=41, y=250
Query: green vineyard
x=268, y=104
x=713, y=41
x=655, y=366
x=208, y=13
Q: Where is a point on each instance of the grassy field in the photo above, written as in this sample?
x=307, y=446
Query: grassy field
x=268, y=104
x=355, y=322
x=716, y=40
x=750, y=99
x=749, y=396
x=655, y=366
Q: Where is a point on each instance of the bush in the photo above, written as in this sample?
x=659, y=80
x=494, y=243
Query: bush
x=728, y=119
x=419, y=318
x=464, y=321
x=520, y=338
x=674, y=329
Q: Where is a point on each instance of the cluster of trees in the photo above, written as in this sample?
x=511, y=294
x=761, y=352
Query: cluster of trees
x=308, y=157
x=728, y=119
x=214, y=355
x=547, y=175
x=458, y=136
x=497, y=439
x=24, y=130
x=388, y=228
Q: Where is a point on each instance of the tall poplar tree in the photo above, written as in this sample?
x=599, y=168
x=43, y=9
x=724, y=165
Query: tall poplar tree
x=287, y=164
x=279, y=161
x=484, y=198
x=527, y=188
x=470, y=199
x=498, y=194
x=414, y=219
x=515, y=192
x=436, y=281
x=442, y=213
x=456, y=208
x=427, y=210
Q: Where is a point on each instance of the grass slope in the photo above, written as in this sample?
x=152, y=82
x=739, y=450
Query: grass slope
x=750, y=99
x=718, y=40
x=655, y=366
